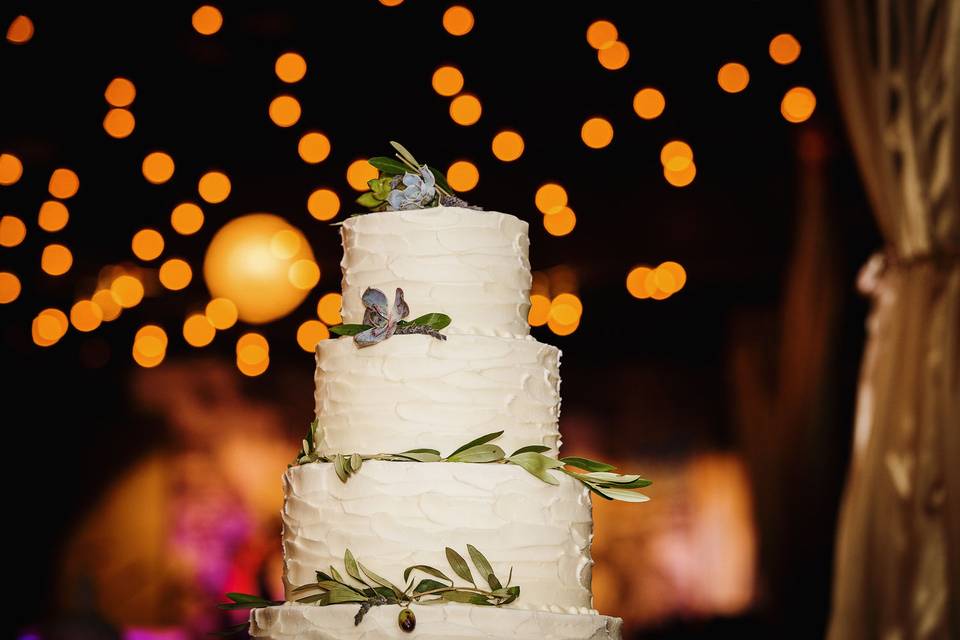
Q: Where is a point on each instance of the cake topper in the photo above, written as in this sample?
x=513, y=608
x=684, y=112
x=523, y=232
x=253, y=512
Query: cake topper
x=380, y=321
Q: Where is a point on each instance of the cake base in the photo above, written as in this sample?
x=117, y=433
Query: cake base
x=449, y=621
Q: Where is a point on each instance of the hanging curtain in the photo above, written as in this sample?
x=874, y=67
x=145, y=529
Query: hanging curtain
x=897, y=571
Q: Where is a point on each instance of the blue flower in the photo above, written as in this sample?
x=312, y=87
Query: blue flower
x=418, y=191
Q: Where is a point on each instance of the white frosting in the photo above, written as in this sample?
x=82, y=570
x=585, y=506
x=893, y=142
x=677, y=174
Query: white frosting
x=448, y=621
x=470, y=265
x=414, y=391
x=392, y=515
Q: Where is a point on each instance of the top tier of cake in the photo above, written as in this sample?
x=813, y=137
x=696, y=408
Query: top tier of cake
x=471, y=265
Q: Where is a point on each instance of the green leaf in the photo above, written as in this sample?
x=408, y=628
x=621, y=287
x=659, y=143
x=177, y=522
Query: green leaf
x=514, y=593
x=433, y=451
x=350, y=564
x=532, y=448
x=587, y=463
x=321, y=576
x=369, y=200
x=479, y=453
x=406, y=155
x=435, y=321
x=355, y=462
x=483, y=566
x=348, y=329
x=481, y=440
x=383, y=582
x=321, y=598
x=427, y=570
x=344, y=594
x=459, y=566
x=466, y=597
x=244, y=597
x=429, y=585
x=420, y=457
x=623, y=495
x=340, y=466
x=336, y=574
x=388, y=166
x=537, y=465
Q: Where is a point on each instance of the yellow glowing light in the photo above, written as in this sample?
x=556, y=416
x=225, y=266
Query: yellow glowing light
x=285, y=111
x=109, y=306
x=197, y=330
x=291, y=67
x=359, y=172
x=240, y=266
x=561, y=329
x=221, y=313
x=157, y=167
x=310, y=333
x=12, y=231
x=304, y=274
x=64, y=183
x=186, y=218
x=551, y=198
x=323, y=204
x=798, y=104
x=682, y=177
x=120, y=92
x=784, y=49
x=507, y=146
x=614, y=57
x=10, y=168
x=463, y=175
x=328, y=308
x=207, y=20
x=256, y=340
x=560, y=223
x=20, y=30
x=175, y=274
x=733, y=77
x=649, y=103
x=49, y=326
x=285, y=244
x=85, y=316
x=602, y=34
x=9, y=287
x=539, y=310
x=119, y=123
x=53, y=216
x=458, y=20
x=147, y=244
x=596, y=133
x=447, y=81
x=146, y=362
x=568, y=300
x=676, y=155
x=127, y=291
x=465, y=109
x=150, y=345
x=253, y=370
x=56, y=259
x=314, y=147
x=678, y=276
x=636, y=282
x=214, y=187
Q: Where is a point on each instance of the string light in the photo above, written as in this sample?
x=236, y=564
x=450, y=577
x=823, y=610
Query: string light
x=447, y=81
x=359, y=172
x=64, y=183
x=285, y=111
x=20, y=30
x=601, y=34
x=314, y=147
x=12, y=231
x=614, y=57
x=550, y=198
x=221, y=313
x=463, y=175
x=323, y=204
x=157, y=167
x=310, y=333
x=458, y=20
x=596, y=133
x=291, y=67
x=676, y=155
x=784, y=49
x=56, y=259
x=110, y=308
x=207, y=20
x=10, y=169
x=649, y=103
x=175, y=274
x=304, y=274
x=539, y=310
x=127, y=291
x=507, y=146
x=798, y=104
x=120, y=92
x=733, y=77
x=186, y=218
x=85, y=316
x=214, y=187
x=147, y=244
x=197, y=330
x=328, y=308
x=465, y=109
x=9, y=287
x=560, y=223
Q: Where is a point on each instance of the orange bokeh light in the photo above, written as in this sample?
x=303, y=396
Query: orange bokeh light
x=10, y=169
x=207, y=20
x=214, y=187
x=323, y=204
x=119, y=123
x=550, y=198
x=676, y=155
x=175, y=274
x=291, y=67
x=458, y=20
x=328, y=308
x=127, y=291
x=560, y=223
x=359, y=172
x=9, y=287
x=636, y=282
x=798, y=104
x=733, y=77
x=310, y=333
x=56, y=259
x=463, y=175
x=222, y=313
x=109, y=306
x=596, y=133
x=614, y=57
x=12, y=231
x=784, y=48
x=601, y=34
x=85, y=316
x=147, y=244
x=507, y=146
x=197, y=330
x=447, y=81
x=313, y=147
x=20, y=30
x=539, y=310
x=465, y=109
x=186, y=218
x=285, y=111
x=683, y=177
x=120, y=92
x=649, y=103
x=64, y=183
x=157, y=167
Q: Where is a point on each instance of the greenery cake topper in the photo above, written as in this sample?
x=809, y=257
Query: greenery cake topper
x=380, y=321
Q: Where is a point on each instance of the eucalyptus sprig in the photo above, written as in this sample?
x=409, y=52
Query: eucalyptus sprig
x=598, y=477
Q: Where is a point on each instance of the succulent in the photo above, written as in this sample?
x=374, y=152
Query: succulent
x=380, y=321
x=419, y=190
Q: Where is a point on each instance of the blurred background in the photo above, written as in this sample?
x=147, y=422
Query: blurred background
x=696, y=223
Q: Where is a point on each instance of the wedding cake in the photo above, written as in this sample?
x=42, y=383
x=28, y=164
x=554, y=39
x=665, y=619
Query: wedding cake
x=450, y=393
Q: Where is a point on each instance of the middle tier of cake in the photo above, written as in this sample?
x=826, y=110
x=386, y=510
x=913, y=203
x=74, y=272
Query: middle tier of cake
x=393, y=515
x=415, y=391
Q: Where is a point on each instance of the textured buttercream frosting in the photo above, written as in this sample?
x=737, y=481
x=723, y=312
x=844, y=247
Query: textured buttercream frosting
x=415, y=391
x=449, y=621
x=471, y=265
x=392, y=515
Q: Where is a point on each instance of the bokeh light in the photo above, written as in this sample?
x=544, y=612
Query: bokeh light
x=447, y=81
x=240, y=266
x=157, y=167
x=463, y=175
x=539, y=310
x=328, y=308
x=676, y=155
x=636, y=282
x=214, y=187
x=465, y=109
x=147, y=244
x=507, y=146
x=150, y=346
x=20, y=30
x=186, y=218
x=207, y=20
x=56, y=259
x=127, y=290
x=10, y=169
x=596, y=133
x=601, y=34
x=120, y=92
x=110, y=308
x=798, y=104
x=222, y=313
x=649, y=103
x=670, y=276
x=9, y=287
x=550, y=198
x=458, y=20
x=784, y=49
x=314, y=147
x=391, y=3
x=566, y=308
x=614, y=57
x=681, y=178
x=49, y=326
x=359, y=173
x=253, y=354
x=64, y=183
x=323, y=204
x=560, y=223
x=285, y=244
x=86, y=316
x=561, y=329
x=197, y=330
x=304, y=274
x=12, y=231
x=291, y=67
x=175, y=274
x=119, y=123
x=285, y=111
x=310, y=333
x=733, y=77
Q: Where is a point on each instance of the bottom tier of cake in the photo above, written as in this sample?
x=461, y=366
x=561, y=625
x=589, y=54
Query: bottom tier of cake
x=449, y=621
